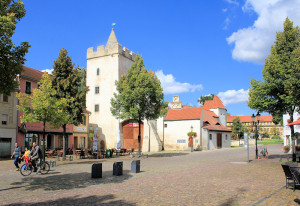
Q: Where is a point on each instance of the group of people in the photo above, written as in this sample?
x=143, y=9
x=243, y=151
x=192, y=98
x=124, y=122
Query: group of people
x=34, y=155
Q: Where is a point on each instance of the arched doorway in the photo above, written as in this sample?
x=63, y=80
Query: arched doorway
x=131, y=133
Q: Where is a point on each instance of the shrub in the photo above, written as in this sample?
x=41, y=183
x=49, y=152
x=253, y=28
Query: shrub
x=276, y=137
x=286, y=148
x=194, y=134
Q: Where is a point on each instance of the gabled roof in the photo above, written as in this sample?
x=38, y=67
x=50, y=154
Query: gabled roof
x=216, y=103
x=32, y=74
x=194, y=113
x=263, y=118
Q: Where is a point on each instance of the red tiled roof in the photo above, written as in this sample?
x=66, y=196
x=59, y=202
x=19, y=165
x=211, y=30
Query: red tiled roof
x=32, y=73
x=263, y=118
x=213, y=104
x=189, y=113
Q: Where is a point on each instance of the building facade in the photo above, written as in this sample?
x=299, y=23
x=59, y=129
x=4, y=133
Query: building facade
x=8, y=124
x=105, y=66
x=266, y=124
x=287, y=129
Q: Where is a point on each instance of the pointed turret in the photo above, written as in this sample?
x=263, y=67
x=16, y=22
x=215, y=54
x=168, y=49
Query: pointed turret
x=112, y=39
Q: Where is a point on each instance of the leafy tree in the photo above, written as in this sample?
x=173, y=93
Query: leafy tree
x=278, y=119
x=67, y=83
x=237, y=128
x=42, y=106
x=140, y=96
x=278, y=92
x=12, y=57
x=83, y=88
x=202, y=99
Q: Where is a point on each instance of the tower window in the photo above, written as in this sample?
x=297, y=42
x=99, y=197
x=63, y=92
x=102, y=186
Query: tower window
x=98, y=71
x=5, y=98
x=96, y=90
x=28, y=87
x=96, y=107
x=210, y=136
x=4, y=119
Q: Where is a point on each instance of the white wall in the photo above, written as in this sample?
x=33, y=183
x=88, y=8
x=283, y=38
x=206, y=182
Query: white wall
x=212, y=144
x=177, y=130
x=287, y=129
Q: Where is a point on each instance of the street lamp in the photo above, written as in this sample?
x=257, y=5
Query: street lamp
x=256, y=131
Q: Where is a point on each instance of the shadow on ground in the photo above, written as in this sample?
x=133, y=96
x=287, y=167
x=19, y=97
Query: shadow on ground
x=90, y=200
x=232, y=200
x=70, y=181
x=167, y=154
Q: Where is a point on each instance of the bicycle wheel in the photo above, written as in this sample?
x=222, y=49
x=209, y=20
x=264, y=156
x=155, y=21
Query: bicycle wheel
x=45, y=167
x=26, y=169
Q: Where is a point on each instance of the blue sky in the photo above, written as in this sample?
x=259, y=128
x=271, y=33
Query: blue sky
x=195, y=47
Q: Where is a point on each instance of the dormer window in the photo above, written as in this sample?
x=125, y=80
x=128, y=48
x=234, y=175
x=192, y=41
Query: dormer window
x=217, y=123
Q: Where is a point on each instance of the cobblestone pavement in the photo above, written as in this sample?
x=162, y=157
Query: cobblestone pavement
x=219, y=177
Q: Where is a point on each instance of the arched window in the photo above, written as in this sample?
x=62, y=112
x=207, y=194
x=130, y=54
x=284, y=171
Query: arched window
x=98, y=71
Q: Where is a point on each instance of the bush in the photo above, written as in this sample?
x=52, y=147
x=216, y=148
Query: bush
x=286, y=148
x=194, y=134
x=276, y=137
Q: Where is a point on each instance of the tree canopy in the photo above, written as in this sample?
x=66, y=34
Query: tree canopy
x=202, y=99
x=278, y=92
x=139, y=95
x=12, y=57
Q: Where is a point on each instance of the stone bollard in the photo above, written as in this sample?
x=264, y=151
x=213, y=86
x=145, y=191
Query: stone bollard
x=97, y=170
x=135, y=166
x=118, y=168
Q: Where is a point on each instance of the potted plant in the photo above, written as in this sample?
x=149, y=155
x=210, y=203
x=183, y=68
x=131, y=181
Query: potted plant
x=286, y=148
x=192, y=134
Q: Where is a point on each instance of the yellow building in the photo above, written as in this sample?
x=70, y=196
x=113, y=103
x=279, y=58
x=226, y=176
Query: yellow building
x=81, y=133
x=266, y=124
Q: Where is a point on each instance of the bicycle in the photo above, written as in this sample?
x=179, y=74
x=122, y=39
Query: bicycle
x=27, y=167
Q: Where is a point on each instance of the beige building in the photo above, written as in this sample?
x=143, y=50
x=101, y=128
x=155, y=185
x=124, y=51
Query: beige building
x=8, y=124
x=81, y=133
x=105, y=65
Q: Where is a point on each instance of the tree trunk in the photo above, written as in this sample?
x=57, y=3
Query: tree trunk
x=139, y=138
x=44, y=146
x=64, y=141
x=292, y=135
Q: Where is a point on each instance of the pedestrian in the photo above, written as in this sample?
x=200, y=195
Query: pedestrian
x=17, y=156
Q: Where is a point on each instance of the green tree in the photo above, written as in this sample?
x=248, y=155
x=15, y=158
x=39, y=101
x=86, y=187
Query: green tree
x=11, y=57
x=67, y=83
x=83, y=88
x=139, y=96
x=202, y=99
x=278, y=92
x=237, y=128
x=42, y=106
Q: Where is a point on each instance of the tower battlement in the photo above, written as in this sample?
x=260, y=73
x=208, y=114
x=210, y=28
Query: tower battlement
x=112, y=47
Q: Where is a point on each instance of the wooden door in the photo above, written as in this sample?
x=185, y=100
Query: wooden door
x=75, y=142
x=219, y=140
x=130, y=135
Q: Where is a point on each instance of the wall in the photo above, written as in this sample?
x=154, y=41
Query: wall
x=212, y=144
x=287, y=129
x=177, y=130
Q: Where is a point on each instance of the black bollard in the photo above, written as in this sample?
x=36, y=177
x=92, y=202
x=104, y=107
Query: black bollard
x=97, y=170
x=118, y=168
x=135, y=166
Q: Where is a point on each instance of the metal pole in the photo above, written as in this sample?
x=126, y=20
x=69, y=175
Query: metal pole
x=256, y=134
x=248, y=147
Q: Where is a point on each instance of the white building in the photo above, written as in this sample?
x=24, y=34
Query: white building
x=287, y=129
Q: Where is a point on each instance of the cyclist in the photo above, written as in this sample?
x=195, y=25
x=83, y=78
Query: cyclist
x=35, y=155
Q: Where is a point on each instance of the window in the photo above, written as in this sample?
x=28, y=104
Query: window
x=210, y=136
x=98, y=71
x=38, y=86
x=96, y=107
x=28, y=87
x=5, y=98
x=84, y=120
x=226, y=136
x=4, y=119
x=96, y=90
x=166, y=125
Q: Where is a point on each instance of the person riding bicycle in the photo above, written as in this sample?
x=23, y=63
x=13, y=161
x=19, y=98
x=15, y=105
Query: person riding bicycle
x=35, y=155
x=26, y=154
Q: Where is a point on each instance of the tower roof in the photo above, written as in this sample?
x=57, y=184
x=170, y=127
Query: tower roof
x=214, y=104
x=112, y=39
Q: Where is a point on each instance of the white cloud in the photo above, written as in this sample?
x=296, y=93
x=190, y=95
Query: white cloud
x=171, y=86
x=233, y=96
x=48, y=70
x=253, y=44
x=235, y=2
x=224, y=10
x=226, y=22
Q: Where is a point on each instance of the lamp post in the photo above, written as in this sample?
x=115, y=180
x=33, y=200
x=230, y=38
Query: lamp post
x=256, y=123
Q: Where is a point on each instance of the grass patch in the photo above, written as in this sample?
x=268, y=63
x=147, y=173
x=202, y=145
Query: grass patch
x=270, y=142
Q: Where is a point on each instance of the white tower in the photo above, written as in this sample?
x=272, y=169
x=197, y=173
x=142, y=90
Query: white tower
x=104, y=67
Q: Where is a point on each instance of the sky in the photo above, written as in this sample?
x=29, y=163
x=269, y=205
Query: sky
x=195, y=47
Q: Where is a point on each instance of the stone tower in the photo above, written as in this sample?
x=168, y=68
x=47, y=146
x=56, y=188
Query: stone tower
x=104, y=66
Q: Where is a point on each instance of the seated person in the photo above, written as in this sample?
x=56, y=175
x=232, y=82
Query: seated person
x=26, y=154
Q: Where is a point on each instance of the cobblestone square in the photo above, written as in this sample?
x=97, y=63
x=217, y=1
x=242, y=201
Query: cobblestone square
x=219, y=177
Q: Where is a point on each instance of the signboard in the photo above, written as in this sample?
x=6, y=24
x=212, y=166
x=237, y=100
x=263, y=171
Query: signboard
x=81, y=128
x=133, y=124
x=95, y=138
